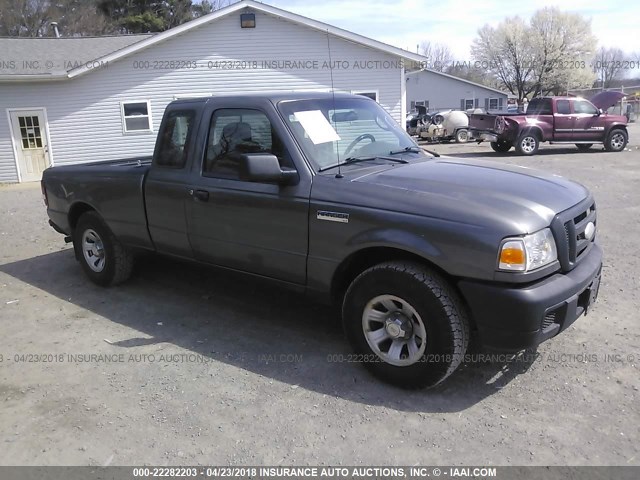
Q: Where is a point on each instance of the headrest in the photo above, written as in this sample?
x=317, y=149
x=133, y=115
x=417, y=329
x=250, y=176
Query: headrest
x=237, y=131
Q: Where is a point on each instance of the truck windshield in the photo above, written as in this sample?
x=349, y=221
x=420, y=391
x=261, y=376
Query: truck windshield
x=331, y=132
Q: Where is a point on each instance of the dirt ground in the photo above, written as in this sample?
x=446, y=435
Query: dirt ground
x=195, y=366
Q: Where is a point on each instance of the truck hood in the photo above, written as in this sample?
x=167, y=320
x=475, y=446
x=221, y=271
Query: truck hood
x=605, y=100
x=480, y=192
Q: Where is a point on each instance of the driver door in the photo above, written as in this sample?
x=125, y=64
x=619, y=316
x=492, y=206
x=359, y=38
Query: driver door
x=588, y=125
x=260, y=228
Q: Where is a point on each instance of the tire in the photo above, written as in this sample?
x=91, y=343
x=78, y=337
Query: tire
x=528, y=144
x=433, y=320
x=501, y=146
x=583, y=147
x=103, y=258
x=616, y=140
x=462, y=136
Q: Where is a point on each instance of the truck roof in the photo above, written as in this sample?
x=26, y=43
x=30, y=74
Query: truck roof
x=274, y=96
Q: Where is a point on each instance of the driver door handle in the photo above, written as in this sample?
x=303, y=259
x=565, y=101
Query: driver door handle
x=201, y=195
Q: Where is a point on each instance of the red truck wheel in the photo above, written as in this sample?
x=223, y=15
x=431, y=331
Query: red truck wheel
x=527, y=144
x=616, y=140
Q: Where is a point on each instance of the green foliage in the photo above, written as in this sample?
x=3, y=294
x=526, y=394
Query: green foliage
x=32, y=18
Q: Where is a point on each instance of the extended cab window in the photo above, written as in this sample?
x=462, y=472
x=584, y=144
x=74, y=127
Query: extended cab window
x=540, y=106
x=563, y=107
x=174, y=139
x=582, y=106
x=235, y=132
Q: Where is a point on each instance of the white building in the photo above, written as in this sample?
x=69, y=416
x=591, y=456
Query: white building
x=440, y=91
x=70, y=100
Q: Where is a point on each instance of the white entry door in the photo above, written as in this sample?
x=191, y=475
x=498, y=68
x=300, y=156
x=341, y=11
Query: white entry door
x=30, y=140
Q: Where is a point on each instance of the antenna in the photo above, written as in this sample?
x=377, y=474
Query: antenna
x=333, y=95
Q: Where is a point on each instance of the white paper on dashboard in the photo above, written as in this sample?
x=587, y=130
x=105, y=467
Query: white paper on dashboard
x=317, y=126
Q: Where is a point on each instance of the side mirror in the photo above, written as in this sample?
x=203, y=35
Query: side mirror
x=600, y=111
x=265, y=168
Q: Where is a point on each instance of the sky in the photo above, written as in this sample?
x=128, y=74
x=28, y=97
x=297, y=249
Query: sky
x=407, y=23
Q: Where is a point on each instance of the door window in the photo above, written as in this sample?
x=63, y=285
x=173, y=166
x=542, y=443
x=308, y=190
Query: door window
x=30, y=133
x=173, y=148
x=582, y=106
x=562, y=107
x=235, y=132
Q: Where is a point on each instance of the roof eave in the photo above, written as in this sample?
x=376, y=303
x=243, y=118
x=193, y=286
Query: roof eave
x=185, y=27
x=32, y=78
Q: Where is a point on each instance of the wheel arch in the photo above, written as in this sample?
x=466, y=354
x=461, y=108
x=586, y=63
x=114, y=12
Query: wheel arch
x=616, y=126
x=77, y=210
x=532, y=129
x=366, y=257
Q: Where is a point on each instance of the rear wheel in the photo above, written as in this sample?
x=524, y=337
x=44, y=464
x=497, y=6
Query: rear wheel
x=406, y=323
x=527, y=144
x=616, y=140
x=462, y=135
x=103, y=258
x=501, y=146
x=583, y=147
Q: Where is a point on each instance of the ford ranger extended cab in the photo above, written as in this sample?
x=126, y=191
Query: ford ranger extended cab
x=572, y=120
x=326, y=194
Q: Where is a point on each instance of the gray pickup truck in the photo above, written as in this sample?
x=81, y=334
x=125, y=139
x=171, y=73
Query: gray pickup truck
x=327, y=195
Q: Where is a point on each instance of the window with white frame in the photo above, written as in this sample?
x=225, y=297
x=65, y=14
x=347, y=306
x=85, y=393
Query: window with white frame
x=373, y=95
x=136, y=116
x=493, y=104
x=468, y=104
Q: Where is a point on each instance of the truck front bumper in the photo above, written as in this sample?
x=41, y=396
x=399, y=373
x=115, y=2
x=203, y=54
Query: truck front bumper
x=513, y=318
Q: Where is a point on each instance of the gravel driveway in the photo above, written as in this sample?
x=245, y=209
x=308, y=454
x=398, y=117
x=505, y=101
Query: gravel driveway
x=189, y=365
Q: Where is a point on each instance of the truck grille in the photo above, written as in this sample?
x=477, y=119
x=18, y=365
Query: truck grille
x=573, y=233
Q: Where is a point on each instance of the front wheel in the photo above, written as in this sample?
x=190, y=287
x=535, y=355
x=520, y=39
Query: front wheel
x=103, y=258
x=527, y=144
x=406, y=323
x=616, y=140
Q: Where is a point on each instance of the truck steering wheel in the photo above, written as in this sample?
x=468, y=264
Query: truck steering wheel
x=358, y=140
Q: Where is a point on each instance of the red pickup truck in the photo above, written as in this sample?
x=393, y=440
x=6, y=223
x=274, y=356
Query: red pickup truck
x=555, y=120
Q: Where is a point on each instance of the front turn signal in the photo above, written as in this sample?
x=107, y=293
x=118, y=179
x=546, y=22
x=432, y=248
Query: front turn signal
x=513, y=256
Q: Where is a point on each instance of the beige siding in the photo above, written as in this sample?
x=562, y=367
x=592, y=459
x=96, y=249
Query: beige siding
x=84, y=113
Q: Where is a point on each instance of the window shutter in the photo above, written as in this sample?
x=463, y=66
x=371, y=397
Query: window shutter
x=462, y=104
x=486, y=104
x=500, y=104
x=477, y=100
x=413, y=104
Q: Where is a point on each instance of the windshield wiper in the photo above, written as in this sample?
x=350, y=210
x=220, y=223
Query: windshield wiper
x=413, y=149
x=350, y=160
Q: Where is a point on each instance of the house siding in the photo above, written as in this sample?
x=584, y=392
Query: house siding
x=84, y=113
x=444, y=92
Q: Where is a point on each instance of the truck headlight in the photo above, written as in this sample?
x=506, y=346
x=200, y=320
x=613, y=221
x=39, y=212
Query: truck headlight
x=523, y=254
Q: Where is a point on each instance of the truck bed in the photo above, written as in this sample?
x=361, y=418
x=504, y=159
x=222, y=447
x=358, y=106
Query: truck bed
x=113, y=188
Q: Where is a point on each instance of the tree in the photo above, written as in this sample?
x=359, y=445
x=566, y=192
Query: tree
x=32, y=18
x=142, y=16
x=506, y=52
x=608, y=66
x=25, y=18
x=439, y=55
x=550, y=54
x=564, y=46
